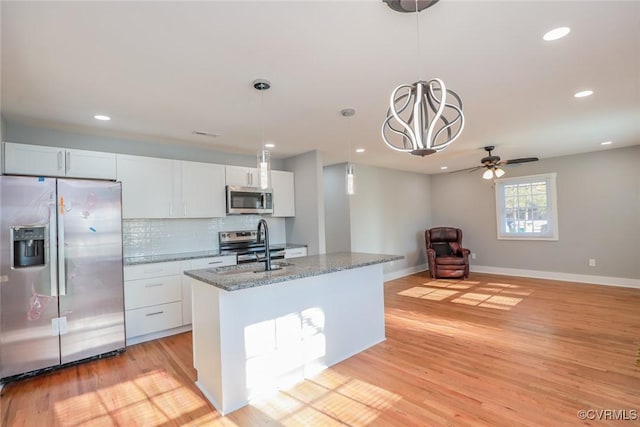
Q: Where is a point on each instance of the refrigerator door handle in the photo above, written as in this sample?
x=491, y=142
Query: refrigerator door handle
x=53, y=250
x=61, y=261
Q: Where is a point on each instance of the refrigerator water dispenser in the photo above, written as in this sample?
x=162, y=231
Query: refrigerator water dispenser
x=28, y=246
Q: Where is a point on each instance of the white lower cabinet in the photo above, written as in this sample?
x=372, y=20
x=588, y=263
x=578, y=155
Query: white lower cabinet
x=152, y=300
x=147, y=320
x=197, y=264
x=295, y=252
x=157, y=296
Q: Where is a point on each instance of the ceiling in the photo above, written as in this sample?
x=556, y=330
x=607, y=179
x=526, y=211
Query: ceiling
x=162, y=70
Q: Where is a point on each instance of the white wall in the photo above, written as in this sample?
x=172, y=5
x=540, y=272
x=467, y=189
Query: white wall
x=308, y=226
x=388, y=214
x=598, y=209
x=336, y=208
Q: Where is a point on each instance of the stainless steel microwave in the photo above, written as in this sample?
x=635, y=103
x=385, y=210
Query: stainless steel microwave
x=249, y=200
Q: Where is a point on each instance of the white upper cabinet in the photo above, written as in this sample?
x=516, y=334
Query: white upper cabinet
x=242, y=176
x=27, y=159
x=202, y=189
x=90, y=164
x=283, y=194
x=163, y=188
x=146, y=186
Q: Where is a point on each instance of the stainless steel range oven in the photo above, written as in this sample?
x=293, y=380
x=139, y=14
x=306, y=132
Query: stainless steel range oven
x=245, y=245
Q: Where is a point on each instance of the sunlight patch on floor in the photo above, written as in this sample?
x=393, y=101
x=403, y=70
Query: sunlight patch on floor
x=326, y=398
x=155, y=398
x=499, y=296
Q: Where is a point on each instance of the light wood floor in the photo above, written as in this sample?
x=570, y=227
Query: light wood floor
x=489, y=351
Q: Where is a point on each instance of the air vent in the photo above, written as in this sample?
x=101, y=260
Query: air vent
x=201, y=133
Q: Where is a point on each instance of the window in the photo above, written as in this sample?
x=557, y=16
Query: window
x=526, y=207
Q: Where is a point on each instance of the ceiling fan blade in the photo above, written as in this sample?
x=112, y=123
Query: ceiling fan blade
x=473, y=169
x=522, y=160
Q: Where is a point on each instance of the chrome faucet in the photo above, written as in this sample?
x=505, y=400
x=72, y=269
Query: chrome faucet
x=267, y=256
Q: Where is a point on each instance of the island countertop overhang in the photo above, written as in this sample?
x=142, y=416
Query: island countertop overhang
x=239, y=277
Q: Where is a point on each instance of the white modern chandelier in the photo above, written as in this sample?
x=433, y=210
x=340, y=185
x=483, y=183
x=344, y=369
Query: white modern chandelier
x=423, y=117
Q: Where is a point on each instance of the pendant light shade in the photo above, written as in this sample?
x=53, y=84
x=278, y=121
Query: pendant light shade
x=264, y=169
x=499, y=172
x=488, y=174
x=350, y=169
x=351, y=179
x=264, y=156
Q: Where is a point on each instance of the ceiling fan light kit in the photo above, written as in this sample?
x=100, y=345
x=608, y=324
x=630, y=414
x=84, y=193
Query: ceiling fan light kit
x=423, y=117
x=492, y=164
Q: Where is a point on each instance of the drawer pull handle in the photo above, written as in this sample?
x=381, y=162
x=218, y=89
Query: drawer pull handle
x=154, y=313
x=153, y=270
x=153, y=285
x=215, y=262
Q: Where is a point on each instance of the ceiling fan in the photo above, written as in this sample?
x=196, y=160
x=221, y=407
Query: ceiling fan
x=492, y=163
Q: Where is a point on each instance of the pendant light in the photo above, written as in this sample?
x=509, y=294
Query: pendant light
x=264, y=156
x=350, y=169
x=424, y=117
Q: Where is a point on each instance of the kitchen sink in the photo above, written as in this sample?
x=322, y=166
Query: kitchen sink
x=274, y=267
x=250, y=268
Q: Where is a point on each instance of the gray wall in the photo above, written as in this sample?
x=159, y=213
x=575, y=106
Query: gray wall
x=307, y=227
x=389, y=213
x=20, y=133
x=336, y=209
x=2, y=128
x=598, y=208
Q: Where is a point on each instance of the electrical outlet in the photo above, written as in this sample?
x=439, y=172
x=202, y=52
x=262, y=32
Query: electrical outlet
x=473, y=255
x=592, y=262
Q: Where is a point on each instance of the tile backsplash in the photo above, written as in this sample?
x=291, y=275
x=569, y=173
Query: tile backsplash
x=143, y=237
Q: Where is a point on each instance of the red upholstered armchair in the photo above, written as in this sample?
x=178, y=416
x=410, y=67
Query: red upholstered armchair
x=447, y=257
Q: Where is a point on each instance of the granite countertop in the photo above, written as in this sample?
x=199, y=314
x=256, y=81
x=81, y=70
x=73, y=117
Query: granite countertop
x=150, y=259
x=242, y=276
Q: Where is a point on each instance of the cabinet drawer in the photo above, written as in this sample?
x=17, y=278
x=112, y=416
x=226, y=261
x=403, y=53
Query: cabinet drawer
x=153, y=319
x=144, y=271
x=295, y=252
x=152, y=291
x=219, y=261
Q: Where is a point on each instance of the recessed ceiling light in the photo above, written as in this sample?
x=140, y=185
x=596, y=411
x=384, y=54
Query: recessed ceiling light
x=444, y=167
x=101, y=117
x=583, y=93
x=269, y=145
x=606, y=143
x=359, y=150
x=556, y=33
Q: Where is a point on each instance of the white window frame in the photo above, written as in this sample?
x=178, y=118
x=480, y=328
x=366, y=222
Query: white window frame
x=552, y=208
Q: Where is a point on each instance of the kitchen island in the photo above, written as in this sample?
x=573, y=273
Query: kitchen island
x=256, y=332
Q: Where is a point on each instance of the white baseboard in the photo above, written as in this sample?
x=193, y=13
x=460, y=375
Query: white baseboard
x=156, y=335
x=554, y=275
x=405, y=272
x=536, y=274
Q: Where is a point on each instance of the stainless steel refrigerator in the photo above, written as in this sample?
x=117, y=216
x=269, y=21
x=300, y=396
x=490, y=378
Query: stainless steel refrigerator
x=61, y=283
